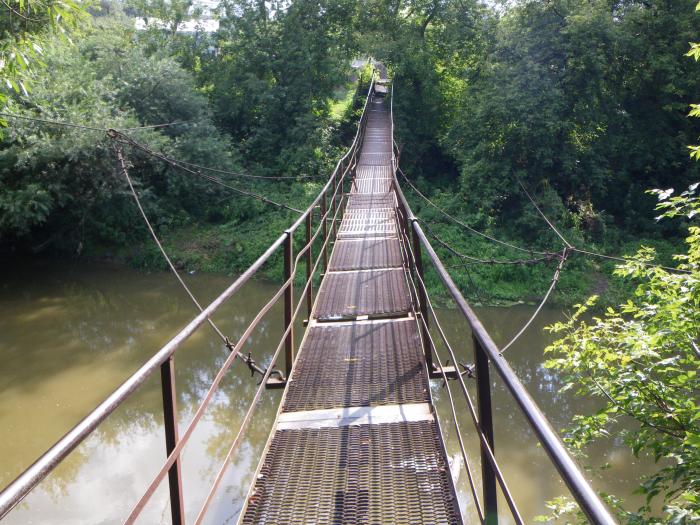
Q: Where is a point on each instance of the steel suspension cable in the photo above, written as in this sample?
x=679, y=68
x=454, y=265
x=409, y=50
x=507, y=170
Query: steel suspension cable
x=137, y=200
x=158, y=126
x=53, y=122
x=247, y=175
x=464, y=225
x=477, y=260
x=125, y=172
x=628, y=260
x=554, y=229
x=84, y=127
x=131, y=142
x=595, y=254
x=552, y=286
x=555, y=279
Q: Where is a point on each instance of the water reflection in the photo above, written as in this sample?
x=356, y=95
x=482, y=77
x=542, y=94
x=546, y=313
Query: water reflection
x=526, y=467
x=72, y=333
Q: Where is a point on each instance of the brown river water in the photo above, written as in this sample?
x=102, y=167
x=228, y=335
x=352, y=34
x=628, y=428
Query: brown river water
x=72, y=332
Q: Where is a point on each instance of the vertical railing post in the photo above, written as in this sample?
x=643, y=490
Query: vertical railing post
x=167, y=381
x=288, y=303
x=335, y=204
x=483, y=398
x=309, y=266
x=403, y=219
x=324, y=220
x=422, y=299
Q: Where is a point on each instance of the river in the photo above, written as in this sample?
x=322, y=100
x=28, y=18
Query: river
x=72, y=332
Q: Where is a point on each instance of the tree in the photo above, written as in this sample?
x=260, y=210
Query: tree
x=58, y=184
x=274, y=75
x=641, y=359
x=23, y=28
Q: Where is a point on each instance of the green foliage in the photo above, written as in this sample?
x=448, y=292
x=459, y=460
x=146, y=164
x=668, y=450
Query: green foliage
x=585, y=97
x=274, y=76
x=23, y=28
x=60, y=184
x=641, y=359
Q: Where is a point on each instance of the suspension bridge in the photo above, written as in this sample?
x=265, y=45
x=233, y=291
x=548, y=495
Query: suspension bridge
x=356, y=439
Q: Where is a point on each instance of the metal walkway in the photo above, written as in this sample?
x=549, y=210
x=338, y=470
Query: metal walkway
x=356, y=440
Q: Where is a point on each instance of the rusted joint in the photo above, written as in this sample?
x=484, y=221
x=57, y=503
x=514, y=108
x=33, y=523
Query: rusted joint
x=248, y=360
x=468, y=370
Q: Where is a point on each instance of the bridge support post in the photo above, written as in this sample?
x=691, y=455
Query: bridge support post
x=324, y=219
x=309, y=266
x=483, y=398
x=167, y=381
x=288, y=304
x=335, y=204
x=422, y=299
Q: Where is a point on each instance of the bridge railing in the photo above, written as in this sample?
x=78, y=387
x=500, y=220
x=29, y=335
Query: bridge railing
x=330, y=202
x=486, y=356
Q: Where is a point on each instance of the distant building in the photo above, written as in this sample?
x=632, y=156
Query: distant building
x=204, y=19
x=198, y=25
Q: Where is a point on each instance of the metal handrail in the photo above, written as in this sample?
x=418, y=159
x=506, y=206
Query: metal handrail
x=587, y=499
x=18, y=489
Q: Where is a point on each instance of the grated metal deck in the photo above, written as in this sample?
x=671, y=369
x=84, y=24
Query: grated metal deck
x=356, y=440
x=364, y=474
x=359, y=364
x=375, y=293
x=368, y=253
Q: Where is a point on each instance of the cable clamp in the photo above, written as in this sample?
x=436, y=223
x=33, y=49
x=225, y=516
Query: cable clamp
x=468, y=370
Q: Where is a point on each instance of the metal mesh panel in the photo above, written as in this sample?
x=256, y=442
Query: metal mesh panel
x=373, y=172
x=367, y=224
x=372, y=185
x=375, y=158
x=376, y=145
x=366, y=254
x=376, y=293
x=368, y=474
x=367, y=201
x=361, y=364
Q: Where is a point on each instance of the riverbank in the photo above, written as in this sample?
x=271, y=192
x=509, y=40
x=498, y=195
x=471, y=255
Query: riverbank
x=230, y=248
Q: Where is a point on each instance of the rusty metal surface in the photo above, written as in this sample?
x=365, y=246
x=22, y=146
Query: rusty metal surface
x=359, y=201
x=375, y=158
x=355, y=475
x=359, y=364
x=377, y=144
x=374, y=185
x=376, y=293
x=373, y=172
x=368, y=223
x=366, y=254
